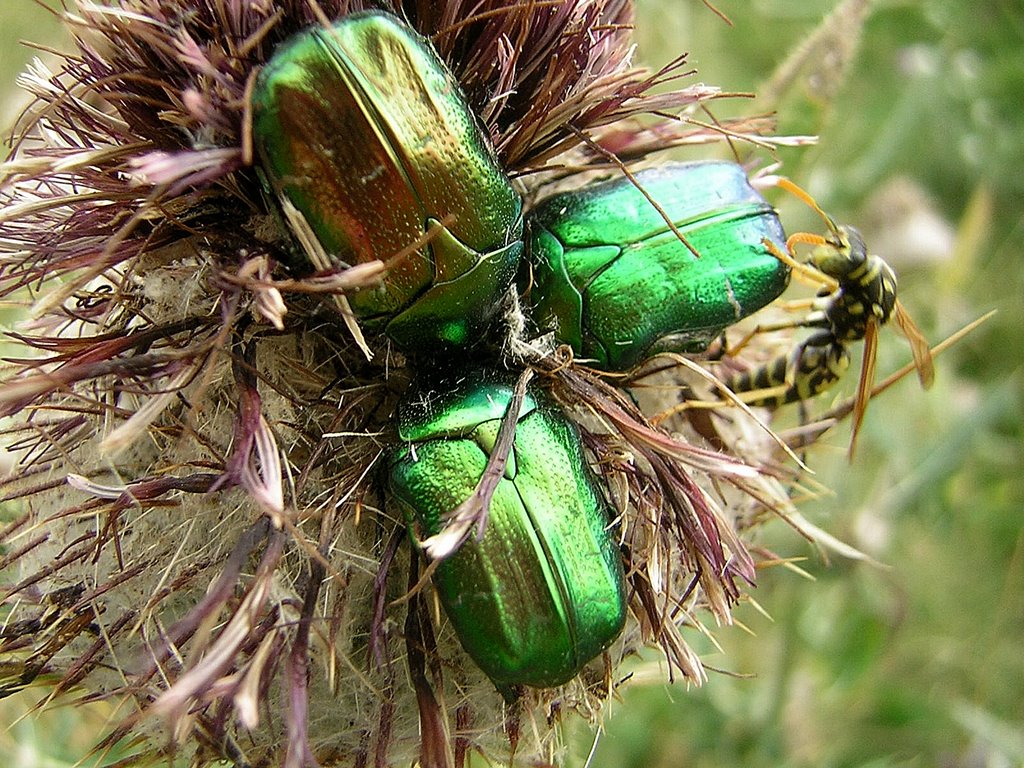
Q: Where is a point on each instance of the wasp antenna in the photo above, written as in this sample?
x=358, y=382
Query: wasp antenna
x=806, y=238
x=804, y=196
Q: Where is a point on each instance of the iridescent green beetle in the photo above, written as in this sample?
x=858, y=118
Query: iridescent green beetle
x=614, y=281
x=543, y=592
x=362, y=130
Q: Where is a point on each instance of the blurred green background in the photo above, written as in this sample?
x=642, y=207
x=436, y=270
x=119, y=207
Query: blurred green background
x=920, y=662
x=920, y=111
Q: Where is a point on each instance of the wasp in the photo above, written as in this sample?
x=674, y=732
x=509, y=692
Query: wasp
x=857, y=295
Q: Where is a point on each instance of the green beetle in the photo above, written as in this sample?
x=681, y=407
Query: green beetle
x=617, y=284
x=543, y=592
x=362, y=130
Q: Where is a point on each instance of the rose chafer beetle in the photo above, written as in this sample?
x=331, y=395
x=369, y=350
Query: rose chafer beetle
x=542, y=592
x=364, y=136
x=616, y=283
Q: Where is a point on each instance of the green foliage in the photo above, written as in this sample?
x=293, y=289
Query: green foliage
x=915, y=663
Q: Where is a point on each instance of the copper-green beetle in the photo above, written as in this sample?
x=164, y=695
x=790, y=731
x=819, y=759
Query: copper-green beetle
x=616, y=283
x=543, y=592
x=362, y=130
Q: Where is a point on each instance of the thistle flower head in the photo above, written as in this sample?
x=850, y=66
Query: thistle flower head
x=198, y=429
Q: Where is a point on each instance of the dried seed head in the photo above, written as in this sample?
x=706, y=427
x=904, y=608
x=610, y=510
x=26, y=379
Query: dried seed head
x=198, y=434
